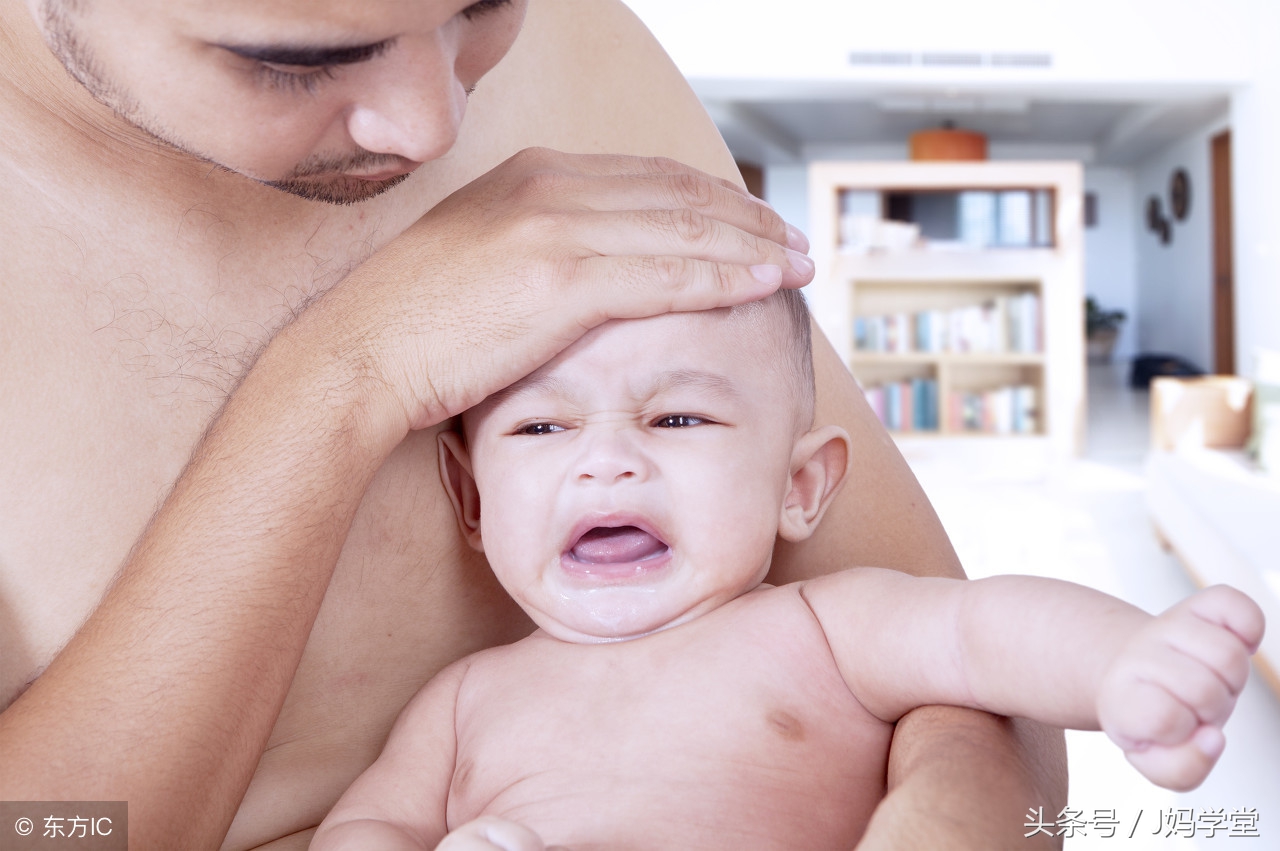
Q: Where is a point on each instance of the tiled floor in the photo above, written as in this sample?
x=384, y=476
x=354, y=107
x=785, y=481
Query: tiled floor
x=1085, y=521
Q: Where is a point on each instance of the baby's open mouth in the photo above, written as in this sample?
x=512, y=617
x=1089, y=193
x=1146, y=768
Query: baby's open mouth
x=616, y=545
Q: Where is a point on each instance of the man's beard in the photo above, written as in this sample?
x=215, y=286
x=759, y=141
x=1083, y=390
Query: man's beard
x=318, y=178
x=324, y=179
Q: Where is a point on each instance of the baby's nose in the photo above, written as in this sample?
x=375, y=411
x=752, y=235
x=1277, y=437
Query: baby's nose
x=611, y=456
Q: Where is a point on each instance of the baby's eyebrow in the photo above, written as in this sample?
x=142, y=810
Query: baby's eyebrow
x=711, y=383
x=530, y=384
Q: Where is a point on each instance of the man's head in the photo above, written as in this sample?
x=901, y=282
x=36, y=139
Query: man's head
x=326, y=99
x=640, y=478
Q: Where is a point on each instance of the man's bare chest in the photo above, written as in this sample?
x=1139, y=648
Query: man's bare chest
x=114, y=369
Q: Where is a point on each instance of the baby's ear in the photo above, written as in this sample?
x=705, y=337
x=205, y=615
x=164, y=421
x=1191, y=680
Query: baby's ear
x=460, y=484
x=819, y=463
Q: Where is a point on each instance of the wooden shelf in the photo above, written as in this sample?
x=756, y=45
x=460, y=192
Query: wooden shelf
x=959, y=358
x=890, y=291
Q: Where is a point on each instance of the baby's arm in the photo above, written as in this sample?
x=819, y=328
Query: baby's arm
x=400, y=802
x=1161, y=687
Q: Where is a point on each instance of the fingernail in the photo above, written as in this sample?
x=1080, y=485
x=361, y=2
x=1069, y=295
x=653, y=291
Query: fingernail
x=1210, y=741
x=801, y=263
x=796, y=239
x=767, y=273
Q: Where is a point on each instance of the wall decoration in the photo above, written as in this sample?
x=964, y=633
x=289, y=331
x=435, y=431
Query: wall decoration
x=1180, y=193
x=1154, y=214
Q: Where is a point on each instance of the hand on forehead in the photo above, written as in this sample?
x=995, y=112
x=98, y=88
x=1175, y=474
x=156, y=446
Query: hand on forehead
x=736, y=349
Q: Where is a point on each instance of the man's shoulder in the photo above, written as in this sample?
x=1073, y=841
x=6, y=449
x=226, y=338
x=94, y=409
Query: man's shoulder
x=586, y=76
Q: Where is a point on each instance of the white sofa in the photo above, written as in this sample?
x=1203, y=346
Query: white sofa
x=1210, y=503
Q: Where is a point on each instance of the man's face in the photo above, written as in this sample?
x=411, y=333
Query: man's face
x=636, y=481
x=333, y=100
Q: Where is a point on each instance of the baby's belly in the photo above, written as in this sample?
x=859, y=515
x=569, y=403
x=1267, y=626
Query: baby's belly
x=804, y=805
x=726, y=733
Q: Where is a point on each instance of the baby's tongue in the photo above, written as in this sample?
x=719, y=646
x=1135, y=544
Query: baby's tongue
x=616, y=545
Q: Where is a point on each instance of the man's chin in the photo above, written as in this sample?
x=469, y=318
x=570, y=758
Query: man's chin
x=336, y=190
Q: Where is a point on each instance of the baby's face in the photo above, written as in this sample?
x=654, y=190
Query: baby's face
x=636, y=481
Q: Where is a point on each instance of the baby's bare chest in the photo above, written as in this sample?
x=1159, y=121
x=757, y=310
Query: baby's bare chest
x=734, y=738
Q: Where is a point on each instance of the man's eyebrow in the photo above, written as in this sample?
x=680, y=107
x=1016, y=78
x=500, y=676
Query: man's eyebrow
x=309, y=55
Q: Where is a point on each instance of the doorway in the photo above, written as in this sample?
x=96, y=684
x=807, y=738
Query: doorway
x=1224, y=315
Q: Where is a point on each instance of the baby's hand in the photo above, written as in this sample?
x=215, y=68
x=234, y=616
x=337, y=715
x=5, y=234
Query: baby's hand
x=1174, y=684
x=494, y=834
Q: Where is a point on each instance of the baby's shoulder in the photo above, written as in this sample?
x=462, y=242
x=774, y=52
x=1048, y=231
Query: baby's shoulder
x=777, y=617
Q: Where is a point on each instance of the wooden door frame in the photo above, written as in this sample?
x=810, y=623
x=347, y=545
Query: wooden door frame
x=1224, y=330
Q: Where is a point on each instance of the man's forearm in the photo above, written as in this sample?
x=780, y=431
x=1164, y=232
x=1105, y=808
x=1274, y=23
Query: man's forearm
x=962, y=779
x=166, y=696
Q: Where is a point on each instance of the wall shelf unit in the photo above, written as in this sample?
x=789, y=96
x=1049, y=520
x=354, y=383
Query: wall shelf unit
x=974, y=331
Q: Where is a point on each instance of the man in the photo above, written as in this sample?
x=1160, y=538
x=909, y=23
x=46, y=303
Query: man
x=202, y=175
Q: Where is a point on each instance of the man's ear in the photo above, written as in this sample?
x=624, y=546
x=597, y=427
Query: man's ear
x=460, y=484
x=819, y=463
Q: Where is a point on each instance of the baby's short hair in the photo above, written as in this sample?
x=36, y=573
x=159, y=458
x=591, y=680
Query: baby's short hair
x=795, y=338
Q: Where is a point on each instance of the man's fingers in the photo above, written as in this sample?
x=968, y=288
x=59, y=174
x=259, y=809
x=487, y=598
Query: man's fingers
x=691, y=190
x=612, y=164
x=636, y=287
x=688, y=233
x=608, y=182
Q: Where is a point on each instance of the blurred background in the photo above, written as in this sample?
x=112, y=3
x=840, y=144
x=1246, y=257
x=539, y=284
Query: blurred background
x=1035, y=224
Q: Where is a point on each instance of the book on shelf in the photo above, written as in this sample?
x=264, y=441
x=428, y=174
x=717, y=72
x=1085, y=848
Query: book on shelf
x=1003, y=324
x=999, y=410
x=913, y=405
x=908, y=405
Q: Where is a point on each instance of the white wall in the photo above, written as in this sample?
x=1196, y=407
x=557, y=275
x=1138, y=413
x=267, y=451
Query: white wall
x=1103, y=41
x=1110, y=256
x=1113, y=48
x=1255, y=140
x=1175, y=281
x=786, y=188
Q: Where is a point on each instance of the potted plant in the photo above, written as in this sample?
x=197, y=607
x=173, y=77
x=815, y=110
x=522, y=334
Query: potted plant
x=1101, y=328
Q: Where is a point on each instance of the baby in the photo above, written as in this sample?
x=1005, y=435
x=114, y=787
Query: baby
x=628, y=496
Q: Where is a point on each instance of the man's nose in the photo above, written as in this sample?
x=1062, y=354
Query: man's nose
x=413, y=106
x=610, y=456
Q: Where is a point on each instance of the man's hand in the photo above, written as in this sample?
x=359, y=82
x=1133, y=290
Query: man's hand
x=515, y=266
x=494, y=834
x=1168, y=692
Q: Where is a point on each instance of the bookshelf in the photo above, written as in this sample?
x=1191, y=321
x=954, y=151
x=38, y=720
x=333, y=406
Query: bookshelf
x=968, y=321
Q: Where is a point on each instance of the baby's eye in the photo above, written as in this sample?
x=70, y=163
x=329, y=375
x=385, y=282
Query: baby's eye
x=539, y=428
x=677, y=421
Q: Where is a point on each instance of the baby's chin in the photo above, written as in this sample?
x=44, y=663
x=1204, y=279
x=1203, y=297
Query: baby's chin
x=609, y=615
